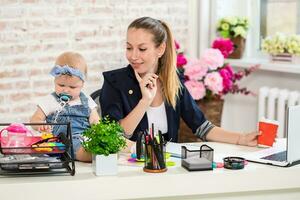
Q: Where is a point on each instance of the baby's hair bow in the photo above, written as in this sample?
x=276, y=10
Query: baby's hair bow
x=58, y=70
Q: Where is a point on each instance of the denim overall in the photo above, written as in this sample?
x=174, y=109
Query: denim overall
x=78, y=115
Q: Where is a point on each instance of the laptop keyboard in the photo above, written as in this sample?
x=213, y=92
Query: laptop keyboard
x=281, y=156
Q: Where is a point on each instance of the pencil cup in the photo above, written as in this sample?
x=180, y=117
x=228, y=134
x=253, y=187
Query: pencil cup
x=155, y=160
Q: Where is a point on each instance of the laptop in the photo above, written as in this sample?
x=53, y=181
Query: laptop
x=285, y=151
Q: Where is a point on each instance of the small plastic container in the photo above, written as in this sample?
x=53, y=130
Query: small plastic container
x=16, y=135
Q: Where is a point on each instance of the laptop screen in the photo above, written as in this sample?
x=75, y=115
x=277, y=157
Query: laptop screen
x=293, y=133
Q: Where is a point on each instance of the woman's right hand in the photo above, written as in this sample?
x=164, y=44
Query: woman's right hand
x=148, y=85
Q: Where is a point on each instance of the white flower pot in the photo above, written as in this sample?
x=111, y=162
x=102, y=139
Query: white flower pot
x=296, y=59
x=282, y=57
x=105, y=165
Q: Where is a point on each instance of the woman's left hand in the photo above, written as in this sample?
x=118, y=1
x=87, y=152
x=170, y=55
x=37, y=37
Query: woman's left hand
x=249, y=139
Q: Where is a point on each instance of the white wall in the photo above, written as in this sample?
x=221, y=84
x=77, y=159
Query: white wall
x=34, y=32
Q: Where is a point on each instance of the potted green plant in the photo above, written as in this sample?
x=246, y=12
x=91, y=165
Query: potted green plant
x=104, y=140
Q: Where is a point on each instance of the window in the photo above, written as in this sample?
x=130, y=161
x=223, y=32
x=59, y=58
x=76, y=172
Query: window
x=279, y=16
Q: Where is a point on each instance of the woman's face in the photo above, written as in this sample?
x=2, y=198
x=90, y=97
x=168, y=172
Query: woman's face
x=141, y=51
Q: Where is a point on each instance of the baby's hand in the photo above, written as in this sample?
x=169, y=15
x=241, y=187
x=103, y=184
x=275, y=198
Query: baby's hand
x=45, y=128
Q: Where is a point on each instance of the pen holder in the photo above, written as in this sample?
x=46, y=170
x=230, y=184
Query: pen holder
x=155, y=159
x=153, y=149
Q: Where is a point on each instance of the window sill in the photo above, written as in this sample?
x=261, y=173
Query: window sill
x=266, y=65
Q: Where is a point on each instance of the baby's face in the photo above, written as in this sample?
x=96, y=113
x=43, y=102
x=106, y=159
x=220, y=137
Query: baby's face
x=71, y=85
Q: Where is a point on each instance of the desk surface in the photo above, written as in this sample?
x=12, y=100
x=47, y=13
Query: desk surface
x=256, y=180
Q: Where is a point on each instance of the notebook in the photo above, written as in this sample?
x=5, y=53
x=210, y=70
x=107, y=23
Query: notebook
x=175, y=148
x=286, y=151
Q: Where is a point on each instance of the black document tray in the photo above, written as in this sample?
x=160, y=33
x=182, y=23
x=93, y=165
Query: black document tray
x=62, y=163
x=197, y=160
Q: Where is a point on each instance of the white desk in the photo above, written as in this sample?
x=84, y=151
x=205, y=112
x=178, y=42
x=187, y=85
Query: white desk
x=256, y=181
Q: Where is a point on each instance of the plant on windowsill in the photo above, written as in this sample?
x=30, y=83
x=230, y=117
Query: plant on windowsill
x=104, y=140
x=282, y=47
x=235, y=28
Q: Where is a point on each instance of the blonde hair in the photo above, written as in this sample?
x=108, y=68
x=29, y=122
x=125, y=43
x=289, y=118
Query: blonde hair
x=72, y=59
x=167, y=70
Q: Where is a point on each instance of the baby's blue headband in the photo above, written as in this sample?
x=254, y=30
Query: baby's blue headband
x=58, y=70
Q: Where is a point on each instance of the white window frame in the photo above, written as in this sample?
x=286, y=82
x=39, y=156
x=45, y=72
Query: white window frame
x=199, y=27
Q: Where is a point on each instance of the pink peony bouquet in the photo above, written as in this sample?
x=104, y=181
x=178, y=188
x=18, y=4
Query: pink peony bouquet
x=209, y=77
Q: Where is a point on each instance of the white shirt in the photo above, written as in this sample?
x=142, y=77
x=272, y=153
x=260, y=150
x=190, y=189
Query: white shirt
x=158, y=116
x=49, y=104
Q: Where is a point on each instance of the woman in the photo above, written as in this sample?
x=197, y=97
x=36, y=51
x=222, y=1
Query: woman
x=149, y=89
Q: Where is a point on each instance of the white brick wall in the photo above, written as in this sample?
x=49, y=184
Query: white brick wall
x=34, y=32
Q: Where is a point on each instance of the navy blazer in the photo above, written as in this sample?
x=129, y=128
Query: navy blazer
x=121, y=93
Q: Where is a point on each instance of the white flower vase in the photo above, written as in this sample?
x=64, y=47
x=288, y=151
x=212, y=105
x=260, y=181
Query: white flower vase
x=105, y=165
x=282, y=57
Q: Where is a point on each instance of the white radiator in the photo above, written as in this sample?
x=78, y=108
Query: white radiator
x=272, y=104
